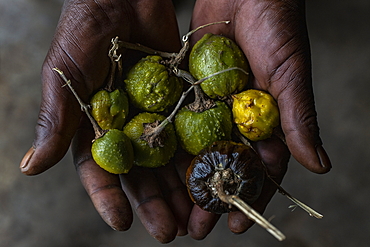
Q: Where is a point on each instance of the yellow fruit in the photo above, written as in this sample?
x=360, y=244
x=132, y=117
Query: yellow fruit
x=255, y=113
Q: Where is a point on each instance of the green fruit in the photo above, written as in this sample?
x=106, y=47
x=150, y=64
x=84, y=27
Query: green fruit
x=150, y=86
x=110, y=109
x=113, y=152
x=255, y=113
x=145, y=155
x=197, y=131
x=214, y=53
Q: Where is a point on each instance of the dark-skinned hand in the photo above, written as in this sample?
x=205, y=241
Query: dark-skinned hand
x=80, y=49
x=274, y=38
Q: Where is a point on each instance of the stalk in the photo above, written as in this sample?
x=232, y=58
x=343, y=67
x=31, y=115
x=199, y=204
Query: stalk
x=99, y=132
x=248, y=211
x=297, y=203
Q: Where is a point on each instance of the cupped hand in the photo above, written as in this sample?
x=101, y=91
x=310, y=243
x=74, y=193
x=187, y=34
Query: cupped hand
x=80, y=49
x=273, y=36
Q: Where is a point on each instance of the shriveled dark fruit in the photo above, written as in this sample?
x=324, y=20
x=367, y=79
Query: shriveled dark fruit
x=255, y=113
x=110, y=109
x=151, y=154
x=214, y=53
x=113, y=152
x=151, y=87
x=197, y=130
x=233, y=167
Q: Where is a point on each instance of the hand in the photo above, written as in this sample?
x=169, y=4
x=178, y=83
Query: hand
x=80, y=49
x=273, y=36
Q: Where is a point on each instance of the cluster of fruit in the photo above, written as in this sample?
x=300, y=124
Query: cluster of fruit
x=225, y=174
x=218, y=74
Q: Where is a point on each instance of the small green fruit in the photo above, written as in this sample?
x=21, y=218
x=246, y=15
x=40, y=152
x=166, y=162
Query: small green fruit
x=113, y=152
x=214, y=53
x=145, y=155
x=255, y=113
x=198, y=130
x=110, y=109
x=151, y=87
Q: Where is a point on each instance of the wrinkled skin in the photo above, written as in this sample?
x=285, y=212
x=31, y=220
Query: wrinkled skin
x=273, y=36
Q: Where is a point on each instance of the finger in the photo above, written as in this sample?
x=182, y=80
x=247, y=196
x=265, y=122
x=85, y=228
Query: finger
x=182, y=161
x=141, y=187
x=176, y=195
x=275, y=156
x=103, y=188
x=201, y=223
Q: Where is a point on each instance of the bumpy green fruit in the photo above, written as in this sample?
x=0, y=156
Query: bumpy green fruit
x=110, y=109
x=113, y=152
x=150, y=86
x=256, y=114
x=197, y=131
x=144, y=154
x=214, y=53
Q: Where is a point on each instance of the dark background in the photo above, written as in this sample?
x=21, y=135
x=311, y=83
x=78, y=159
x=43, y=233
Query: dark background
x=52, y=209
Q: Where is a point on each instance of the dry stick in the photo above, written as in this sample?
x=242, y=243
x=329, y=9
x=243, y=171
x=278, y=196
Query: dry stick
x=298, y=203
x=249, y=211
x=220, y=72
x=99, y=132
x=142, y=48
x=157, y=130
x=115, y=59
x=185, y=39
x=175, y=58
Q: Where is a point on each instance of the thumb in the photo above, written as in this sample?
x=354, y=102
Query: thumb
x=299, y=123
x=277, y=46
x=57, y=122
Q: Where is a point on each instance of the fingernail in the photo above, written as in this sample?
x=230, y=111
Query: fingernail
x=324, y=158
x=26, y=159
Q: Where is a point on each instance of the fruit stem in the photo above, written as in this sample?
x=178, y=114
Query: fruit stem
x=182, y=53
x=220, y=72
x=175, y=58
x=115, y=60
x=99, y=132
x=202, y=102
x=179, y=103
x=311, y=212
x=248, y=211
x=281, y=190
x=185, y=38
x=184, y=75
x=142, y=48
x=156, y=131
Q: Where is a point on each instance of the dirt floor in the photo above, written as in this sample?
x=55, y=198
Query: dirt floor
x=53, y=209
